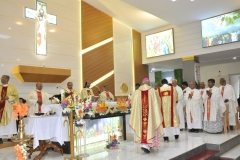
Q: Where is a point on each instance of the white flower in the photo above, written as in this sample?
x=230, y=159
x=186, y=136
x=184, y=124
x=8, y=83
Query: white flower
x=81, y=122
x=66, y=110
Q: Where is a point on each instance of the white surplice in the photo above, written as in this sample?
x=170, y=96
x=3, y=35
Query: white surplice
x=180, y=106
x=231, y=96
x=104, y=94
x=194, y=109
x=33, y=98
x=202, y=102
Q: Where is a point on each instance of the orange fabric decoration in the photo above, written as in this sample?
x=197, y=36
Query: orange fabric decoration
x=20, y=110
x=209, y=105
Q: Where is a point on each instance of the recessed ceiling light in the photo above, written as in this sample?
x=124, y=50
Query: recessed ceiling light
x=18, y=59
x=173, y=0
x=153, y=69
x=19, y=23
x=2, y=65
x=9, y=28
x=192, y=0
x=51, y=30
x=234, y=57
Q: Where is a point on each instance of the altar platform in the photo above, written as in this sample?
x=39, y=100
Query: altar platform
x=201, y=145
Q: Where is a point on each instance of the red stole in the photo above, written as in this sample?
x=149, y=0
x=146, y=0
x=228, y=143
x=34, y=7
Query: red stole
x=192, y=92
x=145, y=110
x=167, y=93
x=2, y=102
x=222, y=91
x=39, y=95
x=88, y=92
x=209, y=105
x=107, y=94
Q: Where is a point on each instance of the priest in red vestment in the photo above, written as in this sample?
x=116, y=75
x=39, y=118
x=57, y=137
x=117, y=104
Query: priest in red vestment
x=146, y=117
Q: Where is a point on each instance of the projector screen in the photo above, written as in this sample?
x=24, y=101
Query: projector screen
x=160, y=43
x=221, y=29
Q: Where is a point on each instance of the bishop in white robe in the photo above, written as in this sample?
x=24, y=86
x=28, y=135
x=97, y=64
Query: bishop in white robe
x=9, y=96
x=229, y=97
x=180, y=104
x=193, y=108
x=108, y=96
x=214, y=108
x=37, y=98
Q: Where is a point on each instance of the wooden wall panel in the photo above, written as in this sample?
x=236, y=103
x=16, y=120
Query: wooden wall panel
x=141, y=71
x=98, y=62
x=96, y=26
x=109, y=81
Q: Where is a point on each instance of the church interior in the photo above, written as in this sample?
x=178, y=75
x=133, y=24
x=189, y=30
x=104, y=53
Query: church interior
x=97, y=50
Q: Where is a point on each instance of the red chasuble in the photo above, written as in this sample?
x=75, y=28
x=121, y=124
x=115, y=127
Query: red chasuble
x=39, y=95
x=2, y=102
x=107, y=94
x=145, y=110
x=167, y=93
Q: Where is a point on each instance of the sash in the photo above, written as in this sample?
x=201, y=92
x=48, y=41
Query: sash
x=2, y=102
x=191, y=119
x=145, y=113
x=107, y=94
x=208, y=106
x=39, y=95
x=222, y=91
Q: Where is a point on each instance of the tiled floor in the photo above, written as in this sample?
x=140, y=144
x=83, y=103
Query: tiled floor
x=128, y=150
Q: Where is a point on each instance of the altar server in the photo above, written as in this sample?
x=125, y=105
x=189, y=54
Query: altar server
x=106, y=94
x=180, y=104
x=229, y=97
x=214, y=108
x=193, y=108
x=86, y=91
x=37, y=98
x=146, y=117
x=168, y=96
x=9, y=96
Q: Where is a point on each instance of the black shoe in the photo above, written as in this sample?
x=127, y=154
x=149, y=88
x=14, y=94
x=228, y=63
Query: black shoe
x=191, y=130
x=231, y=128
x=196, y=131
x=1, y=141
x=145, y=150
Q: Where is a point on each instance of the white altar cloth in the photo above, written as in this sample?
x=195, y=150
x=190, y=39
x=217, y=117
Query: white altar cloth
x=45, y=128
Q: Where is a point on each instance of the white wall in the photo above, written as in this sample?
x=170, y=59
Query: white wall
x=63, y=46
x=187, y=42
x=235, y=80
x=226, y=69
x=123, y=57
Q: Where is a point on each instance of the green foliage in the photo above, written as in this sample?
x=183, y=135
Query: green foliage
x=158, y=77
x=178, y=76
x=231, y=19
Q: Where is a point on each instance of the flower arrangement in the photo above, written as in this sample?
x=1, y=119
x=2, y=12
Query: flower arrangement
x=66, y=104
x=121, y=104
x=80, y=122
x=113, y=143
x=21, y=152
x=101, y=107
x=20, y=110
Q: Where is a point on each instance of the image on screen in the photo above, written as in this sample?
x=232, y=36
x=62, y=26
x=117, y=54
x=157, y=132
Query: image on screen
x=160, y=43
x=221, y=29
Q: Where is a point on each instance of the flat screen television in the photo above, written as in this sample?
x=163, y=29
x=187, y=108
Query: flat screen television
x=221, y=29
x=160, y=43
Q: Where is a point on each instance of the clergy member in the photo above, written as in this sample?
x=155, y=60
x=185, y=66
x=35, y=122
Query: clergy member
x=180, y=104
x=213, y=108
x=168, y=97
x=156, y=86
x=9, y=96
x=137, y=85
x=185, y=89
x=86, y=91
x=37, y=98
x=106, y=94
x=229, y=97
x=146, y=117
x=193, y=108
x=202, y=90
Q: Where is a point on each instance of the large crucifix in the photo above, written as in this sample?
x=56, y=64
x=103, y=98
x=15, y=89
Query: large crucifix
x=41, y=17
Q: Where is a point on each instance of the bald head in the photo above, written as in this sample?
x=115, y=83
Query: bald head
x=202, y=85
x=174, y=82
x=39, y=86
x=192, y=85
x=222, y=81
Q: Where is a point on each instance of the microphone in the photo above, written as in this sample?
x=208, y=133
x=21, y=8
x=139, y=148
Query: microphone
x=60, y=87
x=98, y=89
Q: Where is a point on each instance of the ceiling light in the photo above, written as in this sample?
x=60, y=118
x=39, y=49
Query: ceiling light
x=153, y=69
x=9, y=28
x=51, y=30
x=234, y=57
x=192, y=0
x=4, y=36
x=19, y=23
x=18, y=59
x=2, y=65
x=173, y=0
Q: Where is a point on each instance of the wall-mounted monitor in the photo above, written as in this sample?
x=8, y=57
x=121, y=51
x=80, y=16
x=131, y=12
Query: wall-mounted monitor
x=160, y=43
x=221, y=29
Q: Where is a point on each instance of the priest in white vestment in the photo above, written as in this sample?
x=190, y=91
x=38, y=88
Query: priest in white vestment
x=9, y=96
x=146, y=117
x=180, y=104
x=214, y=108
x=193, y=108
x=202, y=90
x=185, y=89
x=108, y=96
x=168, y=96
x=86, y=91
x=37, y=98
x=229, y=97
